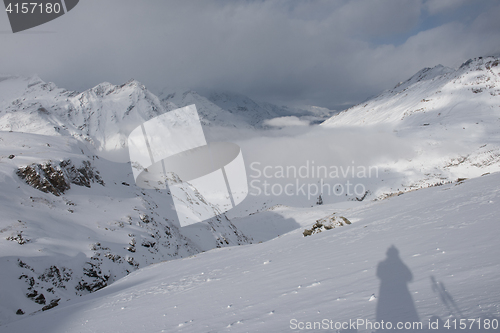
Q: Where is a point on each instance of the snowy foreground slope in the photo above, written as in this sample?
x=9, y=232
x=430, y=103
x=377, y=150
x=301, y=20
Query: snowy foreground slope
x=83, y=224
x=446, y=236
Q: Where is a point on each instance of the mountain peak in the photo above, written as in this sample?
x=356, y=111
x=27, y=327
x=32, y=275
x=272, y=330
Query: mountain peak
x=424, y=74
x=425, y=97
x=34, y=80
x=133, y=83
x=480, y=63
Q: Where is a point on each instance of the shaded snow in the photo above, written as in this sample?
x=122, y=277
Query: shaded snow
x=446, y=262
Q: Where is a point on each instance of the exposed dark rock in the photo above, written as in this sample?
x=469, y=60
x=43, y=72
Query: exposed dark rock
x=148, y=243
x=40, y=299
x=98, y=280
x=57, y=178
x=18, y=238
x=56, y=276
x=37, y=298
x=45, y=177
x=52, y=304
x=82, y=176
x=326, y=223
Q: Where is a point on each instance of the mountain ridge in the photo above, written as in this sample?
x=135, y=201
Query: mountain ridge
x=478, y=75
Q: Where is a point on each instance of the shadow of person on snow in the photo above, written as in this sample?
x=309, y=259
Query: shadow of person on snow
x=395, y=303
x=446, y=298
x=456, y=320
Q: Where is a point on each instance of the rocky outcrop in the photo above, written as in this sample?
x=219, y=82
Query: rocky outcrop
x=56, y=178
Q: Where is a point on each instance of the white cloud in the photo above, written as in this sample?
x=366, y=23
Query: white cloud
x=365, y=146
x=286, y=122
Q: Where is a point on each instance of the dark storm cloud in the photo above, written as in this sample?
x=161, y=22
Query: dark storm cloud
x=325, y=53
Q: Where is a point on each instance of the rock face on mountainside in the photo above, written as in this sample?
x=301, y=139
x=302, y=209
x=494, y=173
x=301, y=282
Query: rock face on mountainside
x=56, y=179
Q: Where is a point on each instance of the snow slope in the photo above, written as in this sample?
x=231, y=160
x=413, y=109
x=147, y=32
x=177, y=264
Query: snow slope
x=447, y=267
x=436, y=96
x=451, y=117
x=81, y=223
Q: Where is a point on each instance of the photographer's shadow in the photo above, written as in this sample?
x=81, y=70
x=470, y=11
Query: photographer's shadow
x=395, y=303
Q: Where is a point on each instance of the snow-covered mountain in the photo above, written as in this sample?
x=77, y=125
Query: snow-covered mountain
x=105, y=115
x=74, y=222
x=243, y=106
x=451, y=117
x=210, y=113
x=236, y=110
x=438, y=96
x=102, y=116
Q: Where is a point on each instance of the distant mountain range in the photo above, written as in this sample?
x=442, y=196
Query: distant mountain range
x=73, y=222
x=107, y=113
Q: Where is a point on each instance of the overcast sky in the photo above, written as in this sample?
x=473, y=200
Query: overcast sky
x=327, y=53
